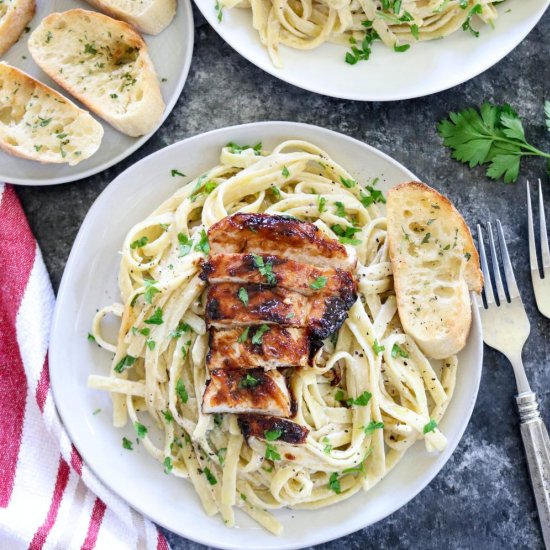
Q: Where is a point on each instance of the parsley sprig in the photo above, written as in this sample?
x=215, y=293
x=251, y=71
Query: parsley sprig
x=492, y=135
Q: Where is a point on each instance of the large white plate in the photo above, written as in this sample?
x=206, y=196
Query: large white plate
x=171, y=53
x=90, y=281
x=425, y=69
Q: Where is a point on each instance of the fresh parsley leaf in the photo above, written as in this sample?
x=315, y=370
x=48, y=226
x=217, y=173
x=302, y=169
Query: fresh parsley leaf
x=125, y=363
x=348, y=183
x=150, y=344
x=356, y=469
x=243, y=296
x=141, y=430
x=271, y=452
x=275, y=191
x=373, y=196
x=210, y=476
x=168, y=466
x=415, y=32
x=127, y=444
x=167, y=416
x=181, y=390
x=328, y=447
x=265, y=269
x=467, y=25
x=156, y=318
x=185, y=244
x=334, y=483
x=248, y=381
x=219, y=11
x=150, y=291
x=222, y=453
x=340, y=209
x=377, y=348
x=90, y=48
x=91, y=337
x=319, y=283
x=180, y=329
x=492, y=135
x=259, y=334
x=97, y=411
x=218, y=419
x=361, y=401
x=44, y=121
x=346, y=236
x=426, y=238
x=273, y=435
x=238, y=149
x=430, y=426
x=397, y=350
x=175, y=173
x=401, y=48
x=340, y=395
x=203, y=245
x=139, y=243
x=321, y=204
x=285, y=172
x=244, y=335
x=362, y=52
x=373, y=426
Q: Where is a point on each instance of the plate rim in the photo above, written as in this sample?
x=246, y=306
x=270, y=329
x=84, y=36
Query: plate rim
x=280, y=75
x=54, y=352
x=189, y=29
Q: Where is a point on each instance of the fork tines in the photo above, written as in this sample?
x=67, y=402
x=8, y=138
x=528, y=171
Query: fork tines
x=541, y=285
x=496, y=293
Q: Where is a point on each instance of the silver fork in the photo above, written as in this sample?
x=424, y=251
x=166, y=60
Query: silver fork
x=540, y=285
x=506, y=329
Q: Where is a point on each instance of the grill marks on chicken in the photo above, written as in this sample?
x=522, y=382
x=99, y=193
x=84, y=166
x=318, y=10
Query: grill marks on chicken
x=282, y=236
x=278, y=286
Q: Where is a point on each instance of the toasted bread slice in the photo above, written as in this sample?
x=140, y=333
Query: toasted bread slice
x=14, y=17
x=102, y=62
x=435, y=264
x=148, y=16
x=40, y=124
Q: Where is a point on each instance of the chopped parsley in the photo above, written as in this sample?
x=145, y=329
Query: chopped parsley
x=156, y=318
x=362, y=52
x=377, y=348
x=125, y=363
x=271, y=452
x=141, y=430
x=168, y=466
x=426, y=238
x=265, y=269
x=219, y=11
x=91, y=337
x=321, y=204
x=90, y=48
x=401, y=48
x=319, y=283
x=248, y=381
x=259, y=334
x=185, y=244
x=328, y=447
x=340, y=209
x=181, y=390
x=243, y=296
x=203, y=245
x=244, y=335
x=467, y=256
x=467, y=25
x=150, y=290
x=127, y=444
x=180, y=330
x=175, y=173
x=238, y=149
x=397, y=350
x=44, y=121
x=167, y=416
x=222, y=453
x=334, y=483
x=348, y=183
x=96, y=412
x=361, y=401
x=340, y=395
x=210, y=476
x=346, y=236
x=374, y=196
x=430, y=426
x=285, y=172
x=373, y=426
x=150, y=344
x=273, y=435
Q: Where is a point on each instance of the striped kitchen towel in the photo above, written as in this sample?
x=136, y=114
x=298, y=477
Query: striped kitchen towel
x=48, y=497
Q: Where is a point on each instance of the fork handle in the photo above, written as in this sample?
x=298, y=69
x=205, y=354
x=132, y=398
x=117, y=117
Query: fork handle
x=537, y=449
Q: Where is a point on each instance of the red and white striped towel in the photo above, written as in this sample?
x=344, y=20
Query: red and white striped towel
x=48, y=497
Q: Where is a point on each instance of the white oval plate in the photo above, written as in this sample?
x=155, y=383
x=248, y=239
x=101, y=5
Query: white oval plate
x=426, y=68
x=90, y=281
x=171, y=53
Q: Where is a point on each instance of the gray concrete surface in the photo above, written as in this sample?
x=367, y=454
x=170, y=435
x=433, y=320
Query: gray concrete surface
x=482, y=498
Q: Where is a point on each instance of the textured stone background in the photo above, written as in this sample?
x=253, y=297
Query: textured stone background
x=482, y=498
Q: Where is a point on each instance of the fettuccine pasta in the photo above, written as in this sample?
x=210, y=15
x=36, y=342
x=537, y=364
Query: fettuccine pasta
x=306, y=24
x=368, y=395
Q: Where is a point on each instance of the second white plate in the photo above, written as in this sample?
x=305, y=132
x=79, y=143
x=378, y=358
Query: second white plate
x=171, y=53
x=90, y=281
x=426, y=68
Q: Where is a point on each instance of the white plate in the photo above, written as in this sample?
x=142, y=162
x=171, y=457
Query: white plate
x=426, y=68
x=171, y=53
x=90, y=281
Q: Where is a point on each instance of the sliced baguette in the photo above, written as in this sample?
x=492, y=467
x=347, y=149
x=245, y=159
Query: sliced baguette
x=14, y=17
x=148, y=16
x=102, y=62
x=435, y=264
x=40, y=124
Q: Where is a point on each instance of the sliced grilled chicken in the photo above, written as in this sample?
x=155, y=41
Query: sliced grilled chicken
x=322, y=315
x=256, y=426
x=278, y=347
x=252, y=268
x=283, y=236
x=263, y=304
x=247, y=391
